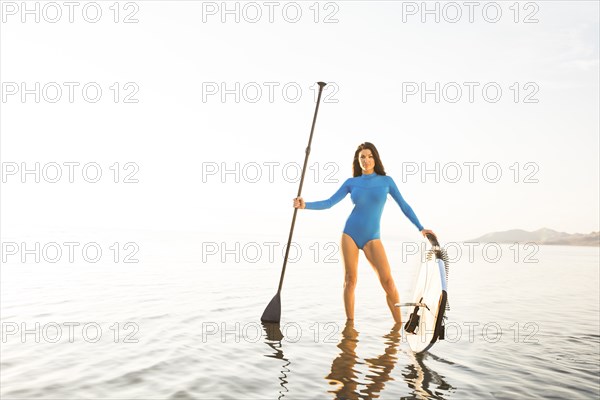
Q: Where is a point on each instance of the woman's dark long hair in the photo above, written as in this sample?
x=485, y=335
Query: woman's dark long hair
x=356, y=170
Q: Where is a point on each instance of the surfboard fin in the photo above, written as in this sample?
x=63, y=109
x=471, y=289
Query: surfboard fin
x=413, y=320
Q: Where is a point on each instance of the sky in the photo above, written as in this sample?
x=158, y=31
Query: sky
x=198, y=122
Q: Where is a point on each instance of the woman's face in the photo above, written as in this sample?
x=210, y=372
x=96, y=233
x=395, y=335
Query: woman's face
x=366, y=160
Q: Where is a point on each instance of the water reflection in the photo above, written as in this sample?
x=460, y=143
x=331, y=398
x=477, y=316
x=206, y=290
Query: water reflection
x=382, y=366
x=343, y=368
x=424, y=382
x=273, y=340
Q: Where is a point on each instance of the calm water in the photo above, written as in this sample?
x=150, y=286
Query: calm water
x=175, y=327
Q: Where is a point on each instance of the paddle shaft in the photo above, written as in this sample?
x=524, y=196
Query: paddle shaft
x=312, y=129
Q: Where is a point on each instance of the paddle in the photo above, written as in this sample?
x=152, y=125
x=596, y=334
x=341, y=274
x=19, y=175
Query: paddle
x=273, y=311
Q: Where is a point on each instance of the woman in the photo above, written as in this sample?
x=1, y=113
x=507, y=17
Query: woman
x=368, y=189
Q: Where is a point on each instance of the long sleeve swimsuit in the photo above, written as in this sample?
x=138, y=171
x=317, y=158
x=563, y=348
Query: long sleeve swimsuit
x=368, y=193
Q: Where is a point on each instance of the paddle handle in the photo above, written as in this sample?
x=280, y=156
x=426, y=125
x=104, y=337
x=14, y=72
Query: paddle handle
x=307, y=152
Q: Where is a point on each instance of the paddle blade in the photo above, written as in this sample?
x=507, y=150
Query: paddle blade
x=273, y=311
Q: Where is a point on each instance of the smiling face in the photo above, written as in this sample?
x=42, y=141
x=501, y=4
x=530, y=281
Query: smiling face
x=366, y=161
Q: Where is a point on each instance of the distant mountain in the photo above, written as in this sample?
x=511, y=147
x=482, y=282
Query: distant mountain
x=542, y=236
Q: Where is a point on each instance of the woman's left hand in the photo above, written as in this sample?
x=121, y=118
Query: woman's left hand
x=424, y=232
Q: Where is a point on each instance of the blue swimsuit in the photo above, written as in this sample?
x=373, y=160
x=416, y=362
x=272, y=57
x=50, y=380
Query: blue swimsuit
x=368, y=193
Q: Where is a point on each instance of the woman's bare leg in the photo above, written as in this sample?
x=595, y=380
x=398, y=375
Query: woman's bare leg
x=376, y=256
x=350, y=259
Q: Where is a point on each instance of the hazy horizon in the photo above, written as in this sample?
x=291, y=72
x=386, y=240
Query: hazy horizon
x=186, y=130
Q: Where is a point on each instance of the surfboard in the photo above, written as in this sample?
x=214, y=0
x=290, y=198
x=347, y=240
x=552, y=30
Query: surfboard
x=425, y=323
